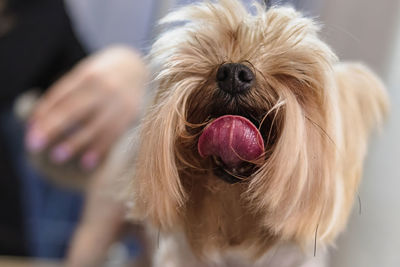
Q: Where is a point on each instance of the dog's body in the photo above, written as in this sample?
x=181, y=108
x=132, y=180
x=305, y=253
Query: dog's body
x=254, y=146
x=173, y=250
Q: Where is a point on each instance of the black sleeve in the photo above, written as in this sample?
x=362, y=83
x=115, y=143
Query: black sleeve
x=38, y=49
x=12, y=231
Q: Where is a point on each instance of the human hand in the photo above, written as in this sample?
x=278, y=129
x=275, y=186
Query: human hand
x=89, y=108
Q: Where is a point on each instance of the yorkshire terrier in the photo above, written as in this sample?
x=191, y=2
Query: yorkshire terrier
x=253, y=149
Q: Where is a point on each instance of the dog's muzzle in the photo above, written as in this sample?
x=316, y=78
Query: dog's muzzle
x=232, y=140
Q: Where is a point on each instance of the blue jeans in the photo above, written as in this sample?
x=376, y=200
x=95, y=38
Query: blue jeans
x=50, y=213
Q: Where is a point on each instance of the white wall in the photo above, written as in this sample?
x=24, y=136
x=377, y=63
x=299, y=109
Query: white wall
x=369, y=31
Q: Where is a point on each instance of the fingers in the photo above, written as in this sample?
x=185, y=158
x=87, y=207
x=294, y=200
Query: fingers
x=83, y=137
x=101, y=145
x=56, y=93
x=61, y=120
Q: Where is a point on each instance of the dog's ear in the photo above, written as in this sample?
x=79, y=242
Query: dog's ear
x=299, y=188
x=158, y=193
x=307, y=186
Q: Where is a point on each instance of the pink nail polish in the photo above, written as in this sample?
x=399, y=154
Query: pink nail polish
x=90, y=160
x=60, y=154
x=29, y=125
x=35, y=141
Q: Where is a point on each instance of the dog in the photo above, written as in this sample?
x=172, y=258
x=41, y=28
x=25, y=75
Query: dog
x=253, y=149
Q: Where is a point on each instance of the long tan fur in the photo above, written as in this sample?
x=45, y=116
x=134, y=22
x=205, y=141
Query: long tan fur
x=320, y=114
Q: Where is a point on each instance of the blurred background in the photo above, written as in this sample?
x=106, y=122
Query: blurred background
x=41, y=40
x=369, y=31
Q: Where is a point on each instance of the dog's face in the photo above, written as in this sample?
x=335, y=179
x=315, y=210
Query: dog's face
x=246, y=110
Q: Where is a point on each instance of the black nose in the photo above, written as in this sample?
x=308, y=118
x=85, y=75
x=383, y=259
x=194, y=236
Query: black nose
x=234, y=78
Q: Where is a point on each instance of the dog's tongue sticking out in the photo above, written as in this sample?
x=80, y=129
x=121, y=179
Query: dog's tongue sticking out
x=233, y=139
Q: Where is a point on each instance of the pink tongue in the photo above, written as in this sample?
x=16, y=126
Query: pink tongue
x=232, y=138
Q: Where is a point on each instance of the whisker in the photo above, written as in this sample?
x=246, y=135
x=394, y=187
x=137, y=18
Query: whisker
x=158, y=238
x=276, y=106
x=272, y=125
x=315, y=241
x=322, y=131
x=242, y=178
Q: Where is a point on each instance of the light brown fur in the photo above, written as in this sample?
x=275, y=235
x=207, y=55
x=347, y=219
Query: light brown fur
x=319, y=113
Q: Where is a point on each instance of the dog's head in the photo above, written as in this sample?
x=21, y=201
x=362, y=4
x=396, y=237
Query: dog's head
x=246, y=105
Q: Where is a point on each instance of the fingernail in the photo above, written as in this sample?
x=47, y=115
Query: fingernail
x=29, y=125
x=60, y=154
x=90, y=160
x=35, y=140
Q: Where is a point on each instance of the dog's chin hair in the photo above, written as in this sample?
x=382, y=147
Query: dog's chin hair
x=322, y=114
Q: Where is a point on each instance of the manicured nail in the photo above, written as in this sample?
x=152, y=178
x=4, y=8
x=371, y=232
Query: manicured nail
x=60, y=154
x=35, y=141
x=90, y=160
x=29, y=125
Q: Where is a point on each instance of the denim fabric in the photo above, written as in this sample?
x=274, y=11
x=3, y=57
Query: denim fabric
x=50, y=213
